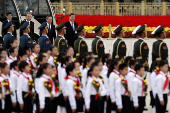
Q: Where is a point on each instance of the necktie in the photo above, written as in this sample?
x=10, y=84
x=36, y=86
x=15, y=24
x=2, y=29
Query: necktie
x=166, y=82
x=73, y=26
x=49, y=28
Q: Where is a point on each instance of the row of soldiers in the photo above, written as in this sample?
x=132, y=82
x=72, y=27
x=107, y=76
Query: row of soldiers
x=139, y=47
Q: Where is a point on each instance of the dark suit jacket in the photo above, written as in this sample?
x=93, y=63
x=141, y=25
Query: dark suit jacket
x=70, y=34
x=4, y=31
x=31, y=34
x=51, y=34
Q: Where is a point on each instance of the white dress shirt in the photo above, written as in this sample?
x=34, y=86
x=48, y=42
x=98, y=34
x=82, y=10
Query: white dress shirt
x=160, y=81
x=106, y=82
x=11, y=59
x=59, y=68
x=130, y=76
x=153, y=83
x=105, y=68
x=137, y=89
x=32, y=59
x=112, y=77
x=49, y=26
x=51, y=61
x=14, y=78
x=72, y=93
x=90, y=90
x=22, y=86
x=81, y=68
x=84, y=79
x=119, y=91
x=72, y=25
x=43, y=92
x=62, y=80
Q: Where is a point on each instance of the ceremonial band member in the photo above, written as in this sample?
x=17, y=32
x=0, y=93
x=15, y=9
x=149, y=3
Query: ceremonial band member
x=98, y=47
x=160, y=49
x=60, y=41
x=25, y=40
x=119, y=46
x=10, y=28
x=141, y=49
x=44, y=40
x=80, y=45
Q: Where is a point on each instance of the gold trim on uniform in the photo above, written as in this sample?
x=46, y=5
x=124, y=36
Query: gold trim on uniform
x=140, y=57
x=77, y=54
x=141, y=48
x=117, y=56
x=157, y=59
x=95, y=56
x=160, y=50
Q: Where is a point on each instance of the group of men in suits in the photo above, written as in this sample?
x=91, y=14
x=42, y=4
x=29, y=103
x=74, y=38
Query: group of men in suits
x=70, y=35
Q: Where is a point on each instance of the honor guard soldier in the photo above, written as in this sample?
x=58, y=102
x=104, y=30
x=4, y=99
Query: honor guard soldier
x=98, y=47
x=119, y=46
x=44, y=41
x=136, y=36
x=80, y=45
x=25, y=40
x=60, y=41
x=159, y=47
x=141, y=49
x=10, y=28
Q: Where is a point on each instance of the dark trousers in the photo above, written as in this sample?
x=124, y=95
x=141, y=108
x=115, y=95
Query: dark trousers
x=110, y=106
x=28, y=103
x=79, y=105
x=8, y=104
x=152, y=102
x=17, y=108
x=160, y=108
x=48, y=105
x=55, y=103
x=126, y=104
x=37, y=103
x=61, y=100
x=141, y=102
x=96, y=106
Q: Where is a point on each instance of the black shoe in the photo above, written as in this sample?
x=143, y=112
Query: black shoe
x=145, y=109
x=166, y=111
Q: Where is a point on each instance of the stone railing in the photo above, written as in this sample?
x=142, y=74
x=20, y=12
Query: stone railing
x=105, y=8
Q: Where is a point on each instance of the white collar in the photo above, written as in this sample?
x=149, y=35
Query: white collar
x=4, y=76
x=119, y=38
x=25, y=34
x=162, y=73
x=132, y=70
x=28, y=21
x=9, y=20
x=139, y=77
x=100, y=37
x=9, y=33
x=141, y=39
x=14, y=71
x=62, y=36
x=71, y=22
x=44, y=35
x=80, y=37
x=72, y=78
x=116, y=71
x=13, y=58
x=159, y=39
x=34, y=55
x=46, y=76
x=25, y=74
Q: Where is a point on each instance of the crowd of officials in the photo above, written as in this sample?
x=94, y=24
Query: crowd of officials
x=40, y=76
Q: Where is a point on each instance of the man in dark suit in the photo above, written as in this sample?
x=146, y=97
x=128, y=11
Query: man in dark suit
x=71, y=36
x=31, y=24
x=9, y=18
x=51, y=29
